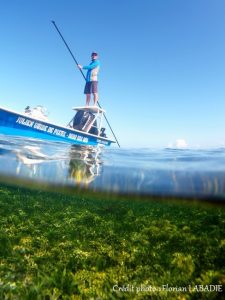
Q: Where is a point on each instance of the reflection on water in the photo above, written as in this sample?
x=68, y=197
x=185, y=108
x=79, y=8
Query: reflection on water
x=49, y=162
x=165, y=172
x=84, y=164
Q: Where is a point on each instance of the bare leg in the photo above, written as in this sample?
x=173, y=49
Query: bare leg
x=88, y=98
x=95, y=98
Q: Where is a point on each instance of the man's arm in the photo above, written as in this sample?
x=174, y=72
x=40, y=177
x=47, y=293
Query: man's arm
x=92, y=65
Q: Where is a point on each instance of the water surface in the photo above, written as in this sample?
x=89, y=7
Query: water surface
x=167, y=172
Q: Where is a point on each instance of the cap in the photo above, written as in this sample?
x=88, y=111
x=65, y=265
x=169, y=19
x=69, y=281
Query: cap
x=94, y=53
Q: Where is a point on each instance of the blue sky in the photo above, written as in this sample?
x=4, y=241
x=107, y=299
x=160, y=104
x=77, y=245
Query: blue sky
x=162, y=74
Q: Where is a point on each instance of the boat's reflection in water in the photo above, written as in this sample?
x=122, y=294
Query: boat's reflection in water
x=84, y=164
x=52, y=163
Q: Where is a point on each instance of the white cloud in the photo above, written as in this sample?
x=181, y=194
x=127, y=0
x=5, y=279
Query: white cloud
x=178, y=144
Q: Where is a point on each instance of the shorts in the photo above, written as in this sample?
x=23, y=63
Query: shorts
x=91, y=87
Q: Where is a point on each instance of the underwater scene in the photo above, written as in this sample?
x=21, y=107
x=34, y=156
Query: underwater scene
x=106, y=223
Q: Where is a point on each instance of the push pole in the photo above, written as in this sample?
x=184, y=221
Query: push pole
x=68, y=48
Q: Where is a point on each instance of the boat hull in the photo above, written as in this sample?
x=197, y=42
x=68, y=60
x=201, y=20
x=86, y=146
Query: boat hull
x=12, y=123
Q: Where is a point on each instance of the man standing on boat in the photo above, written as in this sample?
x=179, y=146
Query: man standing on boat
x=91, y=86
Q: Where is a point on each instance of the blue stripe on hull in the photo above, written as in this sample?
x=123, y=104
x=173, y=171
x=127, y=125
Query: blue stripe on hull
x=38, y=135
x=12, y=123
